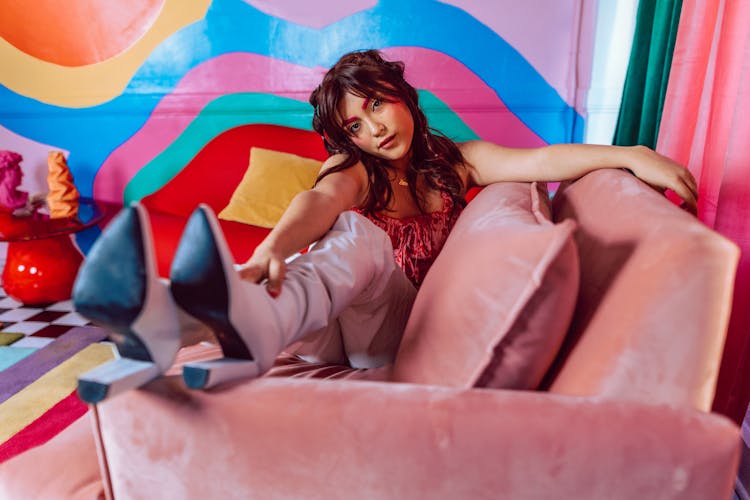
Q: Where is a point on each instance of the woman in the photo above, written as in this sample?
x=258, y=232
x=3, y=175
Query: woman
x=347, y=299
x=381, y=144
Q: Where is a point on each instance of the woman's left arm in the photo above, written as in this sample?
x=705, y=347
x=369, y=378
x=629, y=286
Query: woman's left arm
x=488, y=163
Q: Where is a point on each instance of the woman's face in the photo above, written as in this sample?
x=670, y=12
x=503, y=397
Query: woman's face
x=380, y=128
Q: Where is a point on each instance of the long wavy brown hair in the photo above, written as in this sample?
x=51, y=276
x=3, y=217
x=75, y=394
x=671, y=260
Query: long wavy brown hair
x=434, y=156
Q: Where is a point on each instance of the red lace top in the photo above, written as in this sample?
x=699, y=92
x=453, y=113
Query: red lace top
x=417, y=240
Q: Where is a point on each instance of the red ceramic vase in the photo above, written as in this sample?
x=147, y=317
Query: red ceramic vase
x=40, y=272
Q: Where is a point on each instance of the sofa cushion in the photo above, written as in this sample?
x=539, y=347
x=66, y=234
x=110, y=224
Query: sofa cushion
x=497, y=302
x=268, y=186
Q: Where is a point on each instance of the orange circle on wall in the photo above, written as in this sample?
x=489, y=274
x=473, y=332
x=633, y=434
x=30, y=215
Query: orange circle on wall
x=76, y=32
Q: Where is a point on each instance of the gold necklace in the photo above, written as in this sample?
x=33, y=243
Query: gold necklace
x=403, y=182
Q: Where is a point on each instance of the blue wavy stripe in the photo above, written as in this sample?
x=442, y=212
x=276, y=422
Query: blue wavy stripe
x=92, y=133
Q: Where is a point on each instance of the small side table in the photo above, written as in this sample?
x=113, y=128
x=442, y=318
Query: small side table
x=42, y=261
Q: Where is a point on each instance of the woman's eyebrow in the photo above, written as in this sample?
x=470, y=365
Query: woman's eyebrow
x=365, y=103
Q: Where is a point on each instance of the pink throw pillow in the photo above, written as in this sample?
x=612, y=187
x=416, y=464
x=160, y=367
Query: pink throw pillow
x=497, y=302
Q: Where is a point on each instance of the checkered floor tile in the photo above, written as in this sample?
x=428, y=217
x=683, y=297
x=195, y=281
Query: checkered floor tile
x=34, y=327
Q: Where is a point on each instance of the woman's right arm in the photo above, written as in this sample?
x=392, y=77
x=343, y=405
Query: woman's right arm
x=309, y=216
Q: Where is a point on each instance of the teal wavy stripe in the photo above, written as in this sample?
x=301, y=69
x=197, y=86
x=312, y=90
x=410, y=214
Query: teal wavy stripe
x=233, y=110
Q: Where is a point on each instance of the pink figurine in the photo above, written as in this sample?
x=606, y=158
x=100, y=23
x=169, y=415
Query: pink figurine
x=10, y=178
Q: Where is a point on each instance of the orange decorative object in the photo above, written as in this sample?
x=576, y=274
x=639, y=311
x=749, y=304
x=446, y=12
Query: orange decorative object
x=41, y=271
x=62, y=199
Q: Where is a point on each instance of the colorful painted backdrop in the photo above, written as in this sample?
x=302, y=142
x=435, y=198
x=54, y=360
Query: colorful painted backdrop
x=132, y=93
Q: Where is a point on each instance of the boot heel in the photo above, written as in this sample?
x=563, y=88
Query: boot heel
x=115, y=377
x=206, y=374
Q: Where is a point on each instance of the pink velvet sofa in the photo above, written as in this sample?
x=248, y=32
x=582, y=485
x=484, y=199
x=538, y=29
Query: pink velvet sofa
x=555, y=351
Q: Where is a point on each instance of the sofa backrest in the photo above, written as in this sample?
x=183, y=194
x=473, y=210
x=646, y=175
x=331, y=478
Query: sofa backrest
x=213, y=174
x=655, y=296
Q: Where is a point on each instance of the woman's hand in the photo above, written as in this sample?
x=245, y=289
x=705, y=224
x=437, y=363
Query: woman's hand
x=308, y=218
x=265, y=264
x=663, y=173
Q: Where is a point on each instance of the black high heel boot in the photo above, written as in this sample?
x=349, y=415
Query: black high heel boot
x=119, y=289
x=242, y=315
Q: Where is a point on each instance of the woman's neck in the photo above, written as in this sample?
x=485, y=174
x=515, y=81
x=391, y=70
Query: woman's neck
x=402, y=164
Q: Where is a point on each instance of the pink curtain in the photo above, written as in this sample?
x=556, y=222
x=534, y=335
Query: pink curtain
x=706, y=126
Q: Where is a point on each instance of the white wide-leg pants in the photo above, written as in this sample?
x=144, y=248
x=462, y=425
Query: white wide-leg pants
x=368, y=301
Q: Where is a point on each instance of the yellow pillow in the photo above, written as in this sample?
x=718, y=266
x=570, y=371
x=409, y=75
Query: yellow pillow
x=268, y=186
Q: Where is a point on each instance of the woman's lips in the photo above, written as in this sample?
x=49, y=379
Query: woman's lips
x=387, y=142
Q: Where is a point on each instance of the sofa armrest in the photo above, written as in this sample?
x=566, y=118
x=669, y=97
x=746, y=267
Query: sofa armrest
x=654, y=300
x=291, y=438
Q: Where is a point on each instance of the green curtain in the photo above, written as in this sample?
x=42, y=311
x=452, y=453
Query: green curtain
x=648, y=72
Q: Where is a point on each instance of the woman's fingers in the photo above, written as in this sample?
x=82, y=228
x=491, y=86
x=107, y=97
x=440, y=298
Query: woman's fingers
x=683, y=184
x=663, y=173
x=276, y=273
x=686, y=192
x=687, y=189
x=691, y=182
x=270, y=267
x=251, y=272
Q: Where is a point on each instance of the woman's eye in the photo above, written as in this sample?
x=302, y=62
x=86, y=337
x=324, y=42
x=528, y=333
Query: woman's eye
x=354, y=128
x=376, y=104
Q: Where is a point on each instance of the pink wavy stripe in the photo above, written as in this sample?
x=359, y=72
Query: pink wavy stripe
x=467, y=95
x=314, y=14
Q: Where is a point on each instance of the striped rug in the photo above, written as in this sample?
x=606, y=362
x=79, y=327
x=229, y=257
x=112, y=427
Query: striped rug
x=42, y=352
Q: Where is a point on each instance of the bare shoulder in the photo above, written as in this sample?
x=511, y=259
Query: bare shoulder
x=333, y=160
x=476, y=153
x=351, y=182
x=357, y=170
x=487, y=162
x=469, y=146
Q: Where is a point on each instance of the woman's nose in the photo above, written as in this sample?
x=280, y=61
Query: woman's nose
x=377, y=128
